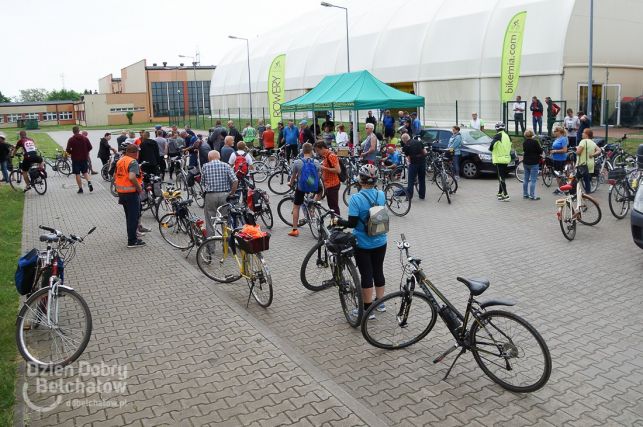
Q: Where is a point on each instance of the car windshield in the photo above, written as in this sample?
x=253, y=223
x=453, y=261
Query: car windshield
x=474, y=136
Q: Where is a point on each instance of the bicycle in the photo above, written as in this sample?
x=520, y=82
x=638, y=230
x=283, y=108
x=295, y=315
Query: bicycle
x=59, y=164
x=109, y=168
x=311, y=211
x=279, y=180
x=37, y=177
x=332, y=258
x=163, y=204
x=228, y=257
x=575, y=206
x=411, y=313
x=397, y=199
x=623, y=187
x=181, y=228
x=54, y=324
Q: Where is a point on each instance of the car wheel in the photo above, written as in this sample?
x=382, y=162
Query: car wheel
x=469, y=169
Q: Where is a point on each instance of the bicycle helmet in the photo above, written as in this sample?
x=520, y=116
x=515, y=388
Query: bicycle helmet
x=500, y=126
x=368, y=174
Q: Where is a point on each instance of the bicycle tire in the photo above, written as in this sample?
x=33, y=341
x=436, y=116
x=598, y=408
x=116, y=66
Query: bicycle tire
x=451, y=182
x=279, y=182
x=594, y=183
x=311, y=280
x=588, y=202
x=262, y=294
x=397, y=199
x=22, y=329
x=271, y=161
x=15, y=179
x=175, y=231
x=39, y=185
x=520, y=172
x=285, y=208
x=619, y=194
x=445, y=187
x=261, y=171
x=567, y=223
x=314, y=215
x=266, y=216
x=104, y=172
x=181, y=183
x=64, y=167
x=217, y=261
x=350, y=189
x=350, y=293
x=197, y=194
x=511, y=350
x=547, y=176
x=388, y=321
x=112, y=188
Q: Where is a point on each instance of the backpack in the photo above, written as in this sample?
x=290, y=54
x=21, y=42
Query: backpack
x=377, y=220
x=240, y=165
x=308, y=180
x=555, y=109
x=343, y=172
x=26, y=272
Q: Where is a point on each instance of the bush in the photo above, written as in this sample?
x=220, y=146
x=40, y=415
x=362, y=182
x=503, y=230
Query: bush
x=129, y=116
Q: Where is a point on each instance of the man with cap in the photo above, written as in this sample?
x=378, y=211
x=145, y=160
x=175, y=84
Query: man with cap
x=5, y=149
x=127, y=181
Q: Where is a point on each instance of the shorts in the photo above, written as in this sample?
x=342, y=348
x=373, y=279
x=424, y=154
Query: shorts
x=28, y=161
x=79, y=166
x=299, y=197
x=559, y=165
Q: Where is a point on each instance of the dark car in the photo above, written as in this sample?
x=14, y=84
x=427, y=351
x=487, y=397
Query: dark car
x=475, y=158
x=637, y=206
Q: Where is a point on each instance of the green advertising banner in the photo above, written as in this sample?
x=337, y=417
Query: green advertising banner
x=276, y=89
x=511, y=55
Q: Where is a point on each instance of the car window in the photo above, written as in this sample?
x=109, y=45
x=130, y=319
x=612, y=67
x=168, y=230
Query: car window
x=444, y=137
x=428, y=135
x=474, y=136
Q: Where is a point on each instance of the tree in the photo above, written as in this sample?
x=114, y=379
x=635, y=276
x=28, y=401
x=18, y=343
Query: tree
x=33, y=95
x=4, y=98
x=63, y=95
x=129, y=116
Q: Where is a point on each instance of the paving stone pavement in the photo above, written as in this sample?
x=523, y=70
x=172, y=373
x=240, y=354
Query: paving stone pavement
x=196, y=355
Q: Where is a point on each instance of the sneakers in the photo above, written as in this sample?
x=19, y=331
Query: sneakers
x=381, y=308
x=138, y=244
x=294, y=232
x=80, y=191
x=524, y=196
x=535, y=198
x=355, y=313
x=91, y=188
x=142, y=229
x=139, y=234
x=505, y=198
x=557, y=191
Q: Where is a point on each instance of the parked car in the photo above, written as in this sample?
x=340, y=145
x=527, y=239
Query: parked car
x=637, y=207
x=476, y=157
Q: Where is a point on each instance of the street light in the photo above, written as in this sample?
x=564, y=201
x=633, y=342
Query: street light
x=196, y=97
x=249, y=86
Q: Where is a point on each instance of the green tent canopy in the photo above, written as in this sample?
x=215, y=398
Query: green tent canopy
x=352, y=91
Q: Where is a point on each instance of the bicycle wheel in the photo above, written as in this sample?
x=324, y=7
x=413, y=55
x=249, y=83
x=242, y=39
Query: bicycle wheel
x=217, y=261
x=64, y=167
x=314, y=217
x=619, y=199
x=566, y=221
x=271, y=161
x=197, y=194
x=315, y=273
x=520, y=172
x=352, y=188
x=279, y=182
x=261, y=279
x=594, y=183
x=104, y=172
x=40, y=185
x=161, y=208
x=58, y=338
x=266, y=216
x=590, y=211
x=112, y=188
x=397, y=199
x=15, y=179
x=285, y=208
x=510, y=351
x=148, y=203
x=175, y=231
x=181, y=183
x=548, y=176
x=350, y=293
x=261, y=171
x=449, y=182
x=444, y=186
x=388, y=331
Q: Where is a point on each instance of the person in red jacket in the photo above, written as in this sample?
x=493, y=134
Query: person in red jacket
x=536, y=109
x=79, y=147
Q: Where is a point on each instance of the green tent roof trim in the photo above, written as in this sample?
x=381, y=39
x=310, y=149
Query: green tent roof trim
x=352, y=91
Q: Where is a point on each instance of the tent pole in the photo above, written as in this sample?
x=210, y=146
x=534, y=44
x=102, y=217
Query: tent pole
x=355, y=128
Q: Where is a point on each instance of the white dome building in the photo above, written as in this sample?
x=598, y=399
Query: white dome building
x=448, y=50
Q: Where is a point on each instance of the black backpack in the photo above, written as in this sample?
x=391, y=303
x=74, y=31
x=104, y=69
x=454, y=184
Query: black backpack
x=343, y=172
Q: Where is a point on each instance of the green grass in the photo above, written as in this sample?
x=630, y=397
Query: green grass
x=43, y=141
x=10, y=239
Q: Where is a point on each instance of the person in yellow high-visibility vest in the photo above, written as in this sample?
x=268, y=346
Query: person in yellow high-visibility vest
x=501, y=156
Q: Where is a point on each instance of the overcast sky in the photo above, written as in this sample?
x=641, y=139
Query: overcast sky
x=85, y=40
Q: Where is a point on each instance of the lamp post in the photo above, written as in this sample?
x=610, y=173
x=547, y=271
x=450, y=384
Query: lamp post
x=348, y=62
x=590, y=82
x=196, y=97
x=249, y=85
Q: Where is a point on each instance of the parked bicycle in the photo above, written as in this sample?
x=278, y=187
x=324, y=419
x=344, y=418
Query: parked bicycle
x=310, y=212
x=506, y=347
x=60, y=163
x=229, y=257
x=623, y=187
x=329, y=263
x=397, y=199
x=575, y=206
x=181, y=228
x=54, y=324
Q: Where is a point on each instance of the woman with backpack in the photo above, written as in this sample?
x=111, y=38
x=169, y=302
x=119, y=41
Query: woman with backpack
x=368, y=218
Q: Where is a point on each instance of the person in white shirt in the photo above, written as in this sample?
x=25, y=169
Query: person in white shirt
x=571, y=125
x=241, y=151
x=476, y=123
x=341, y=137
x=519, y=115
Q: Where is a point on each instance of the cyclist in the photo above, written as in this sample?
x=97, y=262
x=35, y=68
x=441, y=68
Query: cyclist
x=370, y=250
x=30, y=156
x=559, y=153
x=303, y=176
x=501, y=156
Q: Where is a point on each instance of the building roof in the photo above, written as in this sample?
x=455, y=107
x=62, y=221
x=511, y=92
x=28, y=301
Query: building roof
x=26, y=104
x=186, y=67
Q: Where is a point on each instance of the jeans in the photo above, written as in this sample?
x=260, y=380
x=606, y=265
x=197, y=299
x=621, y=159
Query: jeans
x=5, y=171
x=538, y=122
x=529, y=184
x=132, y=206
x=417, y=171
x=502, y=176
x=292, y=150
x=519, y=120
x=456, y=165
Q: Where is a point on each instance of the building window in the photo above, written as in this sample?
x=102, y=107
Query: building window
x=49, y=116
x=125, y=109
x=167, y=99
x=14, y=117
x=65, y=115
x=1, y=118
x=31, y=115
x=199, y=96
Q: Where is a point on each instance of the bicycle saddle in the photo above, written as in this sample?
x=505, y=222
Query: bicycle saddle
x=476, y=286
x=49, y=238
x=566, y=187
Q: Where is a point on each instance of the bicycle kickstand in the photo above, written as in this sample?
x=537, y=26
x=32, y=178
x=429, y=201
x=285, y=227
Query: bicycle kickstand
x=440, y=198
x=250, y=293
x=453, y=364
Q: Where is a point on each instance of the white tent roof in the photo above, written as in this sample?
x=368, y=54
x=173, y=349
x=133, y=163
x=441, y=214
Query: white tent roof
x=407, y=41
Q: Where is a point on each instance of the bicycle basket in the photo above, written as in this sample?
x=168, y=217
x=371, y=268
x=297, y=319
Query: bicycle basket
x=617, y=174
x=339, y=241
x=252, y=245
